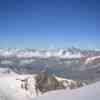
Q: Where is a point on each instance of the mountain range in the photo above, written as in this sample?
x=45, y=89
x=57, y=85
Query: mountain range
x=71, y=63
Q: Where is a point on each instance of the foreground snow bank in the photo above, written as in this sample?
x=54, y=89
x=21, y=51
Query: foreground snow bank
x=10, y=89
x=91, y=92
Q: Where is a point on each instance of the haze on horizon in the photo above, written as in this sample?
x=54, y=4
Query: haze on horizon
x=49, y=23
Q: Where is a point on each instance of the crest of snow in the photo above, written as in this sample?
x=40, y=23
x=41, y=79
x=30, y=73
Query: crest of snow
x=24, y=54
x=91, y=59
x=69, y=55
x=60, y=78
x=8, y=52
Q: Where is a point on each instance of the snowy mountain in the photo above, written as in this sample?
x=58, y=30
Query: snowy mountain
x=46, y=53
x=65, y=62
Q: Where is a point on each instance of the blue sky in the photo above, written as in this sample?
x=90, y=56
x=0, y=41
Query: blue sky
x=49, y=23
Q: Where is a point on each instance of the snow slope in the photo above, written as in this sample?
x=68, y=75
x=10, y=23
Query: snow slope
x=91, y=92
x=10, y=89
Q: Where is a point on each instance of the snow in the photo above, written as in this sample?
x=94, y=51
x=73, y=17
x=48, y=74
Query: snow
x=89, y=60
x=10, y=89
x=39, y=53
x=91, y=92
x=46, y=53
